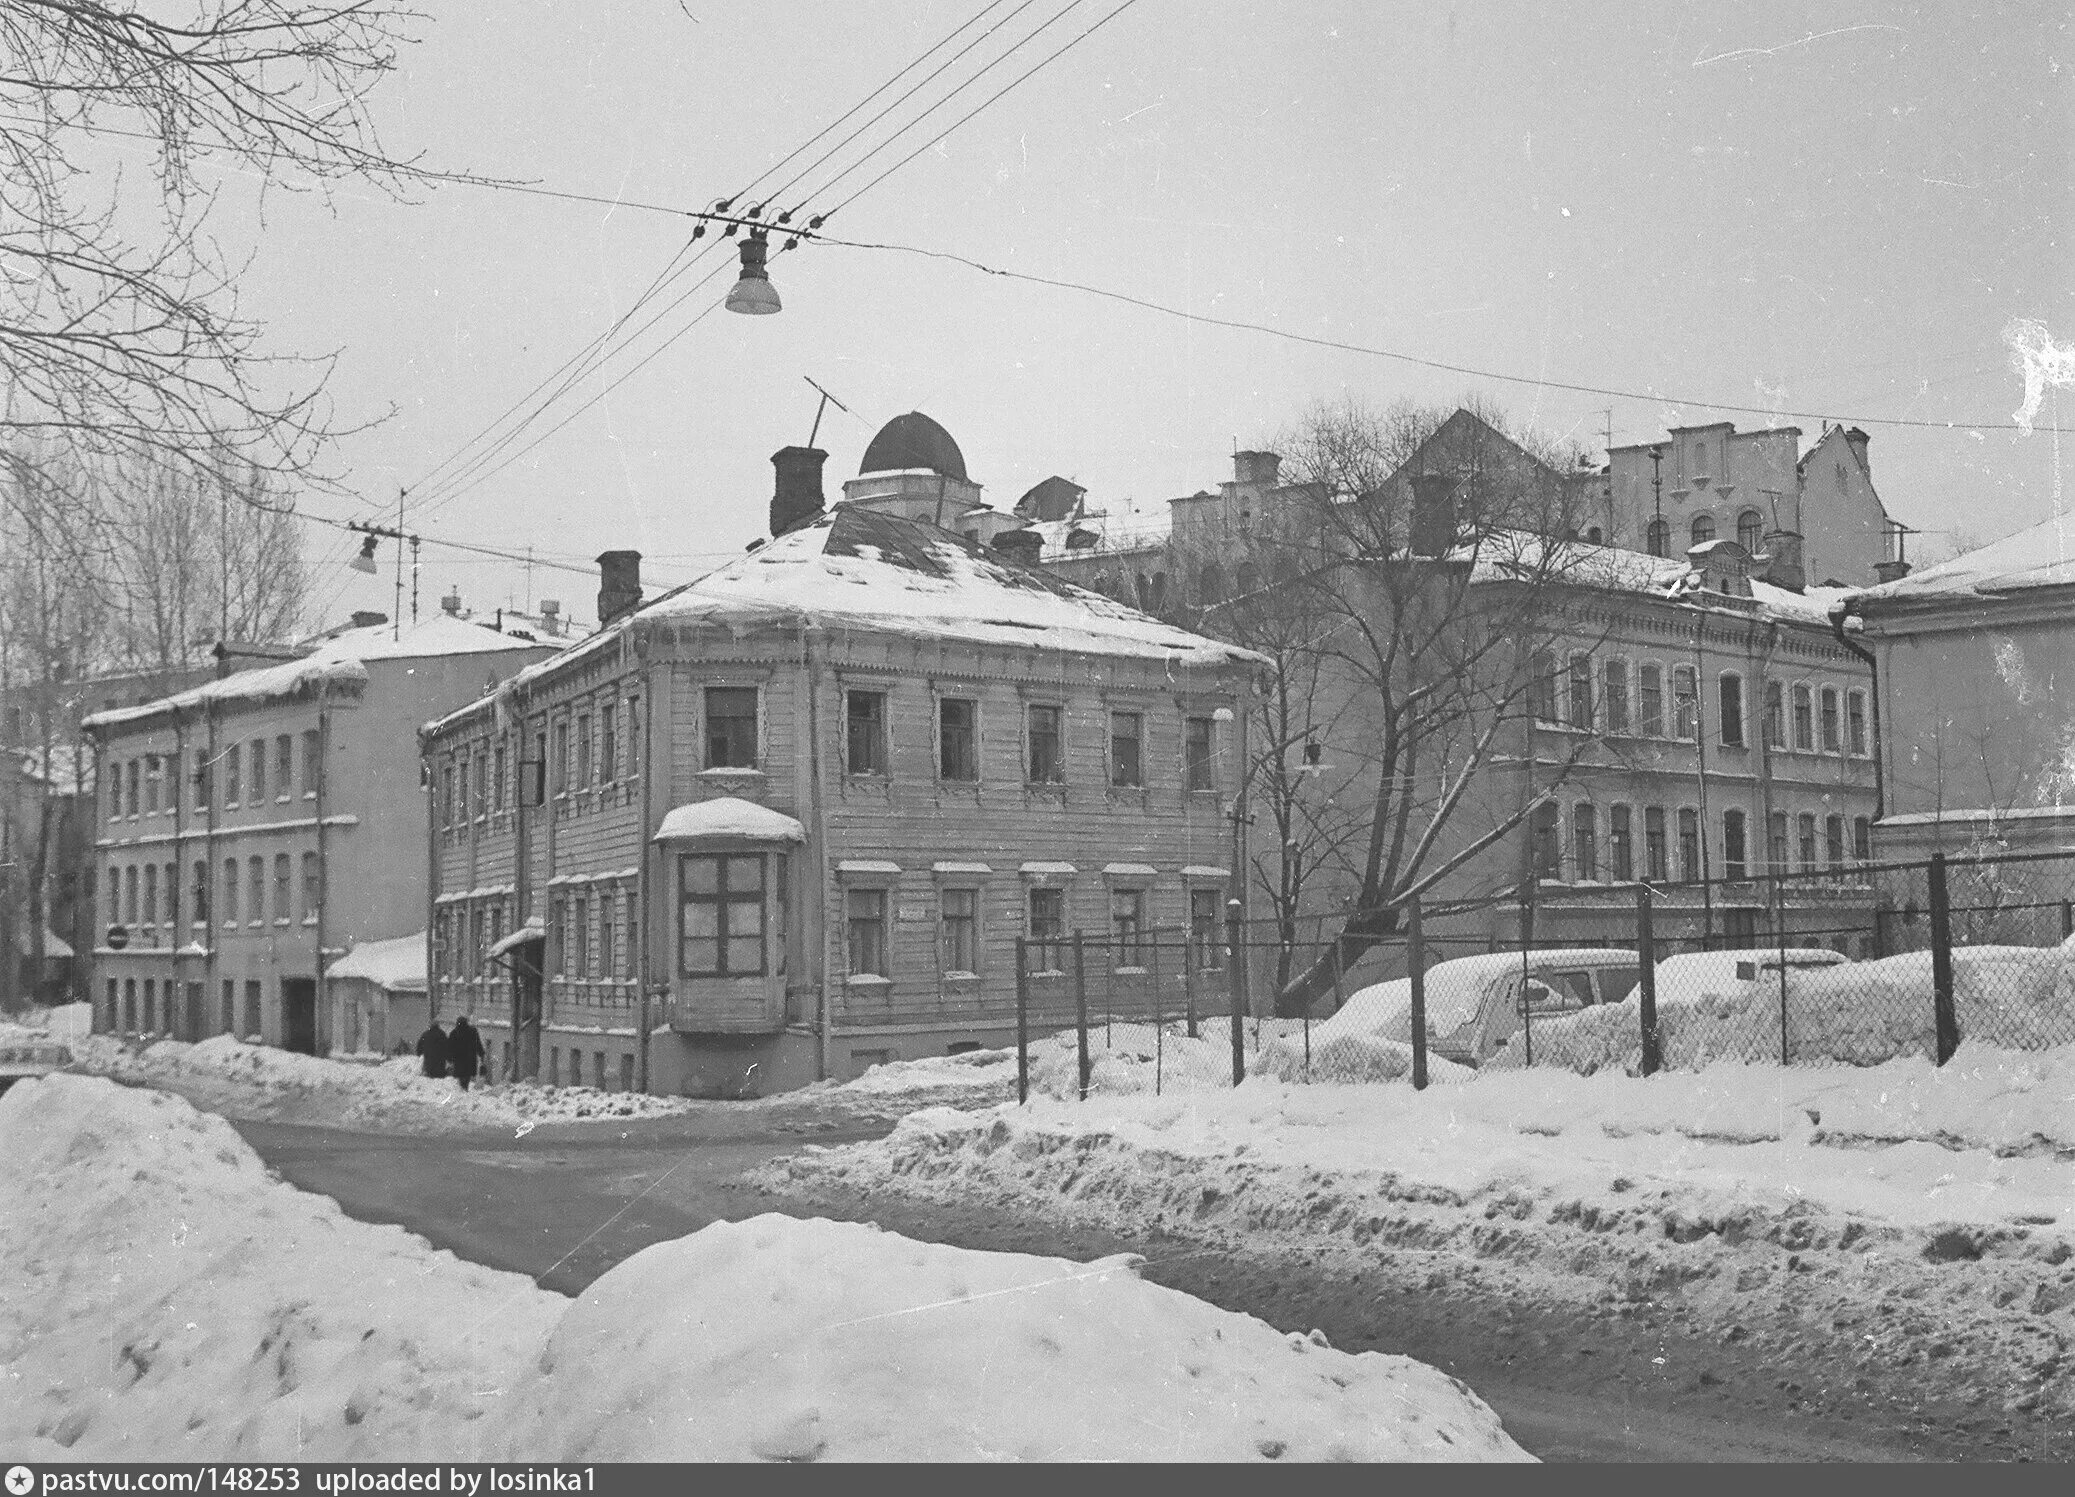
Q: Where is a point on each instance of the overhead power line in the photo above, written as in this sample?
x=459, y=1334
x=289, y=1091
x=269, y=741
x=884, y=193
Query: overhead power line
x=1241, y=325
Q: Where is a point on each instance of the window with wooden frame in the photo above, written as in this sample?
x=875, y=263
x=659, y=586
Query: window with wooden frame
x=1804, y=719
x=1775, y=716
x=1045, y=925
x=1614, y=694
x=1621, y=843
x=1855, y=722
x=958, y=932
x=1650, y=695
x=731, y=727
x=1578, y=703
x=720, y=929
x=608, y=743
x=864, y=926
x=1199, y=754
x=1685, y=703
x=1656, y=860
x=864, y=733
x=583, y=751
x=958, y=739
x=1045, y=744
x=1732, y=709
x=1734, y=865
x=1127, y=760
x=1833, y=740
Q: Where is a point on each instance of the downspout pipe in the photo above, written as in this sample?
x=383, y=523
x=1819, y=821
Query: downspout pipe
x=1841, y=610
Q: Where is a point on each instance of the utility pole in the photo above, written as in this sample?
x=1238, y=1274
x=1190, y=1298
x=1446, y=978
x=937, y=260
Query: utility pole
x=1657, y=490
x=396, y=628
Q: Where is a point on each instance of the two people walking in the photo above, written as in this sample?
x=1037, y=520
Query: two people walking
x=460, y=1052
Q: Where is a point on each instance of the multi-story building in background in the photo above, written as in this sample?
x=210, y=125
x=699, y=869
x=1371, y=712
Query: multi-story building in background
x=251, y=828
x=1698, y=720
x=789, y=821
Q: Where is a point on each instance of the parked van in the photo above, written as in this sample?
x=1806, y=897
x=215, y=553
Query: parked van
x=1475, y=1003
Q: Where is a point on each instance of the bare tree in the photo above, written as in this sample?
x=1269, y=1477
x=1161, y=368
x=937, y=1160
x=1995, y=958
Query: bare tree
x=120, y=330
x=1431, y=604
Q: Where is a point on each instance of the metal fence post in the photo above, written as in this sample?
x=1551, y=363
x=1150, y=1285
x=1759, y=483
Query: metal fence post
x=1646, y=983
x=1943, y=1017
x=1779, y=931
x=1022, y=1020
x=1081, y=1012
x=1416, y=969
x=1234, y=957
x=1189, y=955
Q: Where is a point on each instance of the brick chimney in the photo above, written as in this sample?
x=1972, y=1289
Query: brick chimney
x=797, y=496
x=551, y=616
x=619, y=584
x=1783, y=566
x=451, y=603
x=365, y=620
x=1858, y=440
x=1891, y=571
x=1255, y=467
x=1433, y=514
x=1020, y=546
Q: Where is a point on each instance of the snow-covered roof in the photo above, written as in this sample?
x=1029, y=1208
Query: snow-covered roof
x=2040, y=557
x=729, y=816
x=860, y=568
x=397, y=964
x=338, y=657
x=1511, y=554
x=1128, y=525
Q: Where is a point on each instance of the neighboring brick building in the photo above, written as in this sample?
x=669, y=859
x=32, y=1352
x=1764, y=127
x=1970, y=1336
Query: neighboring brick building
x=788, y=821
x=246, y=825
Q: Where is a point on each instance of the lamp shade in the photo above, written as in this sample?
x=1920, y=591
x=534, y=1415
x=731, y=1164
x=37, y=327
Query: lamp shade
x=365, y=561
x=754, y=295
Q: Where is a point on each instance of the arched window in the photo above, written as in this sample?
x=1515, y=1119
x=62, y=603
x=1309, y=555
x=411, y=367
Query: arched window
x=1548, y=846
x=1703, y=529
x=1750, y=530
x=1659, y=542
x=1210, y=585
x=1732, y=710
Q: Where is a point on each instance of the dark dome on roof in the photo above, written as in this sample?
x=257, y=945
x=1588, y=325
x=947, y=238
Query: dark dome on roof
x=914, y=441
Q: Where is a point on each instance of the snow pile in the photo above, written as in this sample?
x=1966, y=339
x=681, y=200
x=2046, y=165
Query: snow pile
x=1858, y=1013
x=1351, y=1057
x=68, y=1024
x=776, y=1339
x=1130, y=1059
x=166, y=1299
x=249, y=1081
x=1879, y=1212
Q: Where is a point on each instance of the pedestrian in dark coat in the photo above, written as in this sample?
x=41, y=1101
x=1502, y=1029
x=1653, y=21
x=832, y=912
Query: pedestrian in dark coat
x=465, y=1051
x=432, y=1049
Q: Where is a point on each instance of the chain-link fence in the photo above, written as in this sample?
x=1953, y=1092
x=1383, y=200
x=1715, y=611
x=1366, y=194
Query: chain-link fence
x=1887, y=961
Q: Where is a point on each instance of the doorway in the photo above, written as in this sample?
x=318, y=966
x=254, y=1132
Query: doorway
x=299, y=1014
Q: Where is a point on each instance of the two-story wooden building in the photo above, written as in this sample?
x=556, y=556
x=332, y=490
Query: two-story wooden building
x=788, y=821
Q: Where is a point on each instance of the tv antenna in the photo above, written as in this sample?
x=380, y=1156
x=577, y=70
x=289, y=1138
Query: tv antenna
x=827, y=400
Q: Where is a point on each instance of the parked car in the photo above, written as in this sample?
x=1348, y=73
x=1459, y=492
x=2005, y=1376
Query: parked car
x=1697, y=974
x=20, y=1058
x=1474, y=1004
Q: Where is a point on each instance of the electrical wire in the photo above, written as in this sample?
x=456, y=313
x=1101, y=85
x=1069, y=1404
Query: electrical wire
x=1014, y=83
x=1241, y=325
x=588, y=358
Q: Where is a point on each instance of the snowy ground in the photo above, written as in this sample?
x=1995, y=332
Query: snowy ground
x=163, y=1298
x=1918, y=1216
x=261, y=1083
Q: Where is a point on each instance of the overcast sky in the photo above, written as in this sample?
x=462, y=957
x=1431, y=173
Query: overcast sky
x=1798, y=208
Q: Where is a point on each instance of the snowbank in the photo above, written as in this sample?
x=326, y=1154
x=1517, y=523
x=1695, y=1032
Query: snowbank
x=248, y=1081
x=1883, y=1211
x=778, y=1339
x=167, y=1299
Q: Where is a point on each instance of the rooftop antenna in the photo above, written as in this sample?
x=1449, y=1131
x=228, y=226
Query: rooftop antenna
x=827, y=400
x=396, y=630
x=1657, y=489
